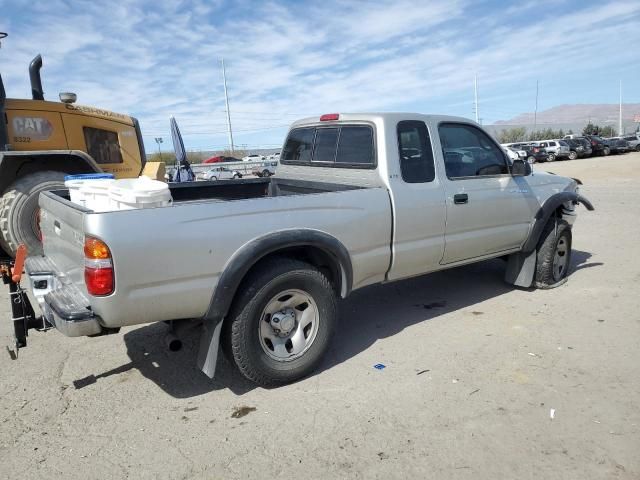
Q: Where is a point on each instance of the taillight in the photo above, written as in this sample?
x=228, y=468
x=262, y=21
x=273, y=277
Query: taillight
x=98, y=267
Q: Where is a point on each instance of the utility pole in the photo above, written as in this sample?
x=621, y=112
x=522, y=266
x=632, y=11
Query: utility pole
x=535, y=112
x=159, y=141
x=475, y=91
x=620, y=112
x=226, y=101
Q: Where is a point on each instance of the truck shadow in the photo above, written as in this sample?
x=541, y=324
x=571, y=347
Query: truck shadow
x=366, y=316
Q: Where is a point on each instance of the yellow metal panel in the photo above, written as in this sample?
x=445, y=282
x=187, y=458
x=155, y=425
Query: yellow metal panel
x=35, y=130
x=131, y=164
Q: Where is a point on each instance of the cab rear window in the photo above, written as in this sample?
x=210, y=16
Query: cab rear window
x=336, y=146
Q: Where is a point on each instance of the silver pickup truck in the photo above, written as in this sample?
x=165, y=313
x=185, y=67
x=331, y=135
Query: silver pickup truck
x=358, y=199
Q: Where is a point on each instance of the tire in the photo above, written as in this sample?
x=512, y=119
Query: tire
x=554, y=254
x=213, y=178
x=248, y=334
x=638, y=148
x=19, y=207
x=551, y=157
x=531, y=159
x=606, y=151
x=573, y=155
x=266, y=173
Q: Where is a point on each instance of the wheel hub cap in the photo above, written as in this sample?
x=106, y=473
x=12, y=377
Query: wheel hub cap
x=288, y=325
x=283, y=322
x=560, y=259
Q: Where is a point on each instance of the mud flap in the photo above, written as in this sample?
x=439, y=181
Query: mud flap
x=521, y=268
x=209, y=346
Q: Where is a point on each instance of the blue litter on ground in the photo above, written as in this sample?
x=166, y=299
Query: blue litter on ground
x=379, y=366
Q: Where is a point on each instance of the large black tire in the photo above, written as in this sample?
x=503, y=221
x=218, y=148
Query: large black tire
x=573, y=155
x=19, y=207
x=266, y=174
x=606, y=151
x=554, y=254
x=242, y=331
x=551, y=157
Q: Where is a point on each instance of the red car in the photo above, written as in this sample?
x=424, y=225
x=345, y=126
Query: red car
x=216, y=159
x=221, y=158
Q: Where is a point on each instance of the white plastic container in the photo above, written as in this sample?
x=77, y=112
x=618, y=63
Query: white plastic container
x=90, y=190
x=141, y=192
x=95, y=194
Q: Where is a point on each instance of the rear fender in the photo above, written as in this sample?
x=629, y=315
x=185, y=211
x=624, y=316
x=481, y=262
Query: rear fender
x=242, y=262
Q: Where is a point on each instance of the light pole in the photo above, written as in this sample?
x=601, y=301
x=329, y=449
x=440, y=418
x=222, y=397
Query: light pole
x=159, y=141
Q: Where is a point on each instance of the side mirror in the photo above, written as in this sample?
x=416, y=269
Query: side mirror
x=520, y=168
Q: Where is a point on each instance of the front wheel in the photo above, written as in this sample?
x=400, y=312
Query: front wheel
x=266, y=173
x=281, y=322
x=573, y=155
x=554, y=254
x=551, y=157
x=606, y=151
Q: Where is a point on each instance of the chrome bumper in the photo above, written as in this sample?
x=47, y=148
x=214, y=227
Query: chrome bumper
x=63, y=305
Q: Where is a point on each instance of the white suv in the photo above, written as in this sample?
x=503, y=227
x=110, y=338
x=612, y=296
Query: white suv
x=556, y=149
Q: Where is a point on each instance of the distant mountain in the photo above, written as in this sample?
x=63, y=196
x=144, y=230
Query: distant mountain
x=599, y=114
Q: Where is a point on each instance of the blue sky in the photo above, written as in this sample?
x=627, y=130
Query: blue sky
x=286, y=60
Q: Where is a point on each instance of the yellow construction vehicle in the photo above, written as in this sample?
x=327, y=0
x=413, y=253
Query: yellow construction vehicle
x=42, y=141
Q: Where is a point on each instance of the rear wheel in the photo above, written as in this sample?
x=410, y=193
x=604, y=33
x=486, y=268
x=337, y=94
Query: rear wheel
x=19, y=210
x=606, y=151
x=281, y=322
x=266, y=173
x=573, y=155
x=554, y=254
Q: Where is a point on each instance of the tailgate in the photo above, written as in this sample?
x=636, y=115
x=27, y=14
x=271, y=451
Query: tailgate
x=61, y=223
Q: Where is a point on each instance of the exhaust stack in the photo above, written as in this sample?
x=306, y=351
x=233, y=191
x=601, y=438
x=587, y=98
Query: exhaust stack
x=34, y=77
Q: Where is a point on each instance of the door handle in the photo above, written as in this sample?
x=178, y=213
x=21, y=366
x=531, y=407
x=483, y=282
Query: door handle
x=460, y=198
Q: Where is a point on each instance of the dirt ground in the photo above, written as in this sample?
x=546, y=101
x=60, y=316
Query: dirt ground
x=475, y=371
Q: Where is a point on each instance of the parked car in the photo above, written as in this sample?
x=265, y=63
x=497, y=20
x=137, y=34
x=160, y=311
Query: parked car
x=633, y=141
x=359, y=199
x=598, y=145
x=252, y=158
x=588, y=151
x=535, y=153
x=219, y=173
x=556, y=149
x=220, y=159
x=617, y=145
x=578, y=148
x=265, y=170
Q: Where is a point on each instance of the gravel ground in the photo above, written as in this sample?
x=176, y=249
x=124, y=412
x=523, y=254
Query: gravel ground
x=475, y=371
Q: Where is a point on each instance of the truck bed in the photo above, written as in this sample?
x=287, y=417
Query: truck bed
x=167, y=260
x=251, y=188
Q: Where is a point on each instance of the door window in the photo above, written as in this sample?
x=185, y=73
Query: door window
x=415, y=152
x=102, y=145
x=469, y=152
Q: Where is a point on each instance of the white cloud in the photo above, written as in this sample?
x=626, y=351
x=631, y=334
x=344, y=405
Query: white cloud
x=288, y=59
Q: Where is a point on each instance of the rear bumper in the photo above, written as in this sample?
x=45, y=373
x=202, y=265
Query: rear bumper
x=63, y=305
